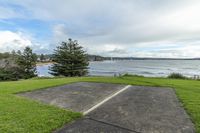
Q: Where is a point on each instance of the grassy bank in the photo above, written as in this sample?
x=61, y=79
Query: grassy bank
x=23, y=115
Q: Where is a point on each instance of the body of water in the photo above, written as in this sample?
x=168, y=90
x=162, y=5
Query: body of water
x=149, y=68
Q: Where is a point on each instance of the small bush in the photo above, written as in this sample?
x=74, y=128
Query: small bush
x=12, y=73
x=176, y=76
x=50, y=77
x=131, y=75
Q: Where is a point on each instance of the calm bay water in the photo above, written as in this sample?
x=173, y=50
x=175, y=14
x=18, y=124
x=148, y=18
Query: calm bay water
x=150, y=68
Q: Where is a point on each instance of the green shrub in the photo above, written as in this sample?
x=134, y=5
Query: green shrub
x=11, y=73
x=131, y=75
x=176, y=76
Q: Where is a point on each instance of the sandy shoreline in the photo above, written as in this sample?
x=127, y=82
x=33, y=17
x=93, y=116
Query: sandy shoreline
x=43, y=63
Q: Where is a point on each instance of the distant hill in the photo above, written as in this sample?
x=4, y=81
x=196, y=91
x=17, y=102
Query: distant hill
x=101, y=58
x=147, y=58
x=95, y=58
x=47, y=58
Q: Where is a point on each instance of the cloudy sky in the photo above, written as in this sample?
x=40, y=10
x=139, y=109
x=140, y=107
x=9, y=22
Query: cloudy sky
x=139, y=28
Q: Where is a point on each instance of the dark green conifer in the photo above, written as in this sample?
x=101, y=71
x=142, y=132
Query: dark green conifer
x=27, y=63
x=69, y=60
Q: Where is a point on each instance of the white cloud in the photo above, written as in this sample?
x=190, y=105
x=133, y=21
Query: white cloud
x=6, y=13
x=59, y=33
x=123, y=27
x=13, y=41
x=184, y=51
x=18, y=41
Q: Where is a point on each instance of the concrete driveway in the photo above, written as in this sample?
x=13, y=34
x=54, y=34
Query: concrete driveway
x=112, y=108
x=77, y=97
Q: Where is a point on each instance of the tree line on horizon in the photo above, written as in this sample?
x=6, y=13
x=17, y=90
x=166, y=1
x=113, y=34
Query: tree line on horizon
x=69, y=60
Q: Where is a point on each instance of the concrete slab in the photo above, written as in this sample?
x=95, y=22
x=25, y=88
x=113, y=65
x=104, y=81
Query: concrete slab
x=78, y=97
x=145, y=110
x=136, y=109
x=92, y=126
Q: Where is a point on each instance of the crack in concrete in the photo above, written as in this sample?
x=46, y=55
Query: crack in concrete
x=110, y=124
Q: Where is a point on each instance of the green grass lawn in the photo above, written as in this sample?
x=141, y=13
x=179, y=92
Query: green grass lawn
x=20, y=115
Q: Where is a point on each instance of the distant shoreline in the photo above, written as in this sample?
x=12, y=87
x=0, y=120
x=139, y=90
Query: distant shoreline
x=43, y=63
x=125, y=59
x=148, y=58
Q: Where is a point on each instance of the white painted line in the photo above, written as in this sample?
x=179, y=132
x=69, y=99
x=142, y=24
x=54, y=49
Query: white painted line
x=105, y=100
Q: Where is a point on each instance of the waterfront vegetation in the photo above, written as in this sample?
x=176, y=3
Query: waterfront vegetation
x=177, y=76
x=21, y=115
x=69, y=60
x=18, y=65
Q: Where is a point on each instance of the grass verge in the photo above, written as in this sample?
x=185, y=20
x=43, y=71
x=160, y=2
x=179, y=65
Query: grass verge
x=21, y=115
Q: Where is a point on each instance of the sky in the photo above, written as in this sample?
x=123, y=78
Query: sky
x=133, y=28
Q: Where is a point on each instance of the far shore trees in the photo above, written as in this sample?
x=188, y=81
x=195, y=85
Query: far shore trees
x=42, y=58
x=69, y=60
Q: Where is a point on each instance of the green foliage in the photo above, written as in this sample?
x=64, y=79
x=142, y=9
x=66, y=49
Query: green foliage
x=4, y=55
x=176, y=76
x=27, y=63
x=9, y=69
x=42, y=57
x=14, y=66
x=131, y=75
x=70, y=60
x=12, y=73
